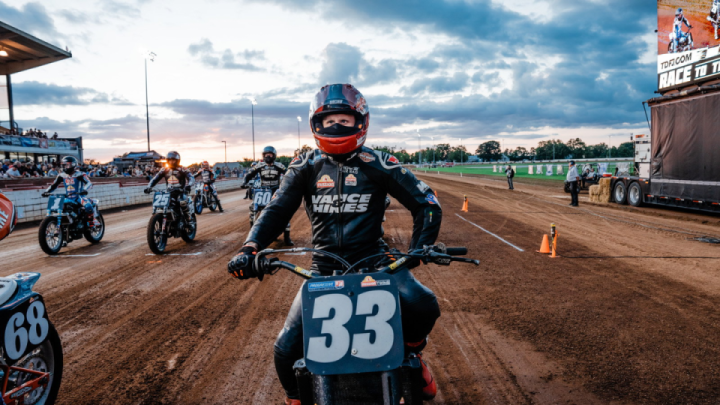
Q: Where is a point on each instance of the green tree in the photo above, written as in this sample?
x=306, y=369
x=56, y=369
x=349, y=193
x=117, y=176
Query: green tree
x=457, y=154
x=546, y=149
x=303, y=149
x=624, y=150
x=597, y=151
x=577, y=148
x=489, y=150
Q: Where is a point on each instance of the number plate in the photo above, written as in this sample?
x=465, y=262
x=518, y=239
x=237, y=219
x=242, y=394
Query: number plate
x=56, y=203
x=24, y=327
x=262, y=197
x=161, y=200
x=352, y=324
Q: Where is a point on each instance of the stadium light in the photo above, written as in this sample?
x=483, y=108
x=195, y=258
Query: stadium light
x=147, y=55
x=253, y=103
x=299, y=121
x=225, y=142
x=3, y=53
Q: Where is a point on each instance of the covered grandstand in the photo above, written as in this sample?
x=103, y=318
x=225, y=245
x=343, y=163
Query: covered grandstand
x=20, y=51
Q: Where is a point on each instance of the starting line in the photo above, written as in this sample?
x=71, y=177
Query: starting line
x=480, y=227
x=176, y=254
x=96, y=254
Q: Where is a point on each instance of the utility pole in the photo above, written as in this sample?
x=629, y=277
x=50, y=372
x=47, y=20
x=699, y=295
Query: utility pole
x=419, y=150
x=299, y=120
x=151, y=56
x=225, y=142
x=252, y=115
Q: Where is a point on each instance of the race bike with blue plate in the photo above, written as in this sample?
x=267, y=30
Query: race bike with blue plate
x=204, y=197
x=352, y=330
x=168, y=221
x=67, y=221
x=261, y=198
x=31, y=358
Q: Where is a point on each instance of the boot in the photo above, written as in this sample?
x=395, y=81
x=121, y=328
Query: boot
x=430, y=389
x=247, y=194
x=219, y=205
x=288, y=241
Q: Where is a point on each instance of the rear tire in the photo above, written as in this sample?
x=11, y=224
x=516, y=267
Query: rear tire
x=156, y=241
x=635, y=195
x=197, y=201
x=188, y=234
x=95, y=235
x=620, y=193
x=50, y=244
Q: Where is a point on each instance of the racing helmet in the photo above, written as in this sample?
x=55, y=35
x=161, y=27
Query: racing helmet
x=678, y=12
x=173, y=159
x=205, y=164
x=339, y=99
x=269, y=150
x=68, y=164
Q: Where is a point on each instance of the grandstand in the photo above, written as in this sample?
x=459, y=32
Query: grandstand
x=20, y=51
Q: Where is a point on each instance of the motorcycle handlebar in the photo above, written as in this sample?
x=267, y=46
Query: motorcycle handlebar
x=456, y=251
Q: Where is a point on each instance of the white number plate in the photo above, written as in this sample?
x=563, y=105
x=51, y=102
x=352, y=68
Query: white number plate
x=161, y=200
x=262, y=197
x=352, y=324
x=26, y=328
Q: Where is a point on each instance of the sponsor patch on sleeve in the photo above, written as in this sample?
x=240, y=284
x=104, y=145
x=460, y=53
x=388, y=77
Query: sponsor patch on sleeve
x=366, y=157
x=393, y=159
x=432, y=199
x=325, y=182
x=351, y=180
x=422, y=186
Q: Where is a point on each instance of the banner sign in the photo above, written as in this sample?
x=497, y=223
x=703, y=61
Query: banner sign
x=688, y=42
x=44, y=143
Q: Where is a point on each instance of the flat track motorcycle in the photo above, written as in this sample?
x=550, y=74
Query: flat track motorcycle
x=168, y=221
x=204, y=197
x=31, y=359
x=352, y=331
x=67, y=221
x=261, y=198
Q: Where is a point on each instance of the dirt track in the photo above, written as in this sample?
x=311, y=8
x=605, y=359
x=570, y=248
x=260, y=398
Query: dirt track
x=628, y=315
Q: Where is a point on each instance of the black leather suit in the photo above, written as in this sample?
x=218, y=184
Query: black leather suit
x=269, y=174
x=345, y=203
x=178, y=181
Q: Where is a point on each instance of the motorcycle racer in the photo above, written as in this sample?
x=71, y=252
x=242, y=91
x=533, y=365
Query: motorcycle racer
x=208, y=177
x=344, y=186
x=249, y=190
x=77, y=184
x=714, y=16
x=270, y=173
x=678, y=33
x=179, y=182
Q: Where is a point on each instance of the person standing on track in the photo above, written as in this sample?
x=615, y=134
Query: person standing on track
x=573, y=178
x=349, y=226
x=510, y=173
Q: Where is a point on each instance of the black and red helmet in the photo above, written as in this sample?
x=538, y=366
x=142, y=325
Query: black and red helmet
x=339, y=99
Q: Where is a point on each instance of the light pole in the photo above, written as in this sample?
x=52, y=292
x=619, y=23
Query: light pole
x=299, y=121
x=252, y=114
x=461, y=151
x=148, y=55
x=225, y=142
x=432, y=138
x=419, y=150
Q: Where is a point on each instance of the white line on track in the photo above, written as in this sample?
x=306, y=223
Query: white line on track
x=176, y=254
x=478, y=226
x=96, y=254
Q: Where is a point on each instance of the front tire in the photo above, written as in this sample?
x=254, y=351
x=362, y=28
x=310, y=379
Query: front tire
x=198, y=204
x=50, y=236
x=620, y=193
x=157, y=241
x=96, y=233
x=635, y=195
x=48, y=357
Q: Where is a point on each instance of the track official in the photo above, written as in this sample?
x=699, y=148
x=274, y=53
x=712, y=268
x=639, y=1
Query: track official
x=510, y=173
x=573, y=179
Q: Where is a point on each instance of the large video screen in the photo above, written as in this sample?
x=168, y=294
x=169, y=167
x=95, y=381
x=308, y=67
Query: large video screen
x=688, y=42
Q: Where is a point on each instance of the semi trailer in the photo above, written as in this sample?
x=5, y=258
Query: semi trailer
x=678, y=164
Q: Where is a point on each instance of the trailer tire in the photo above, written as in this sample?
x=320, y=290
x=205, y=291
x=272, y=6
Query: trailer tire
x=620, y=193
x=635, y=195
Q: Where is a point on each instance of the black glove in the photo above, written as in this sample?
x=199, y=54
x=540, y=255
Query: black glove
x=84, y=192
x=148, y=190
x=241, y=266
x=244, y=185
x=413, y=262
x=46, y=194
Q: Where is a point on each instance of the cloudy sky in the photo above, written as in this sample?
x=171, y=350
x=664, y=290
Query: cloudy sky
x=519, y=71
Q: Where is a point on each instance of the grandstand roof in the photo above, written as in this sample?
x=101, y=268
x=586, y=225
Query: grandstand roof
x=25, y=51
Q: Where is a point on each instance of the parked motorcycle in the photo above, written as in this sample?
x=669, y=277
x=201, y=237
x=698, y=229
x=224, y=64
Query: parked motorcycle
x=168, y=220
x=204, y=197
x=67, y=221
x=352, y=329
x=31, y=360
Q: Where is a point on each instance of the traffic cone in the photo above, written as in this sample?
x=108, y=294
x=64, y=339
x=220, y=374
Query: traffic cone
x=465, y=205
x=545, y=245
x=554, y=246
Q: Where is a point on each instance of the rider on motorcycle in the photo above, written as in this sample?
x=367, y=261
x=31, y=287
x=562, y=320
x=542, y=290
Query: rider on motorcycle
x=179, y=182
x=344, y=186
x=678, y=33
x=77, y=185
x=208, y=178
x=714, y=16
x=269, y=171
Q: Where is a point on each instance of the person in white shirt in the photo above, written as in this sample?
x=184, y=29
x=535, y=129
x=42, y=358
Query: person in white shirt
x=510, y=173
x=573, y=178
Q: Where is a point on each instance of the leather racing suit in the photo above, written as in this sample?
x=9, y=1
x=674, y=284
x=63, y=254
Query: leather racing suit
x=269, y=177
x=208, y=177
x=345, y=203
x=75, y=184
x=179, y=182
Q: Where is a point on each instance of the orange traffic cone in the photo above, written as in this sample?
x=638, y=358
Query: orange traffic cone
x=545, y=245
x=554, y=247
x=465, y=205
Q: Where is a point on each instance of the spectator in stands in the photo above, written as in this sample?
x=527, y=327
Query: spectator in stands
x=55, y=136
x=5, y=165
x=13, y=172
x=52, y=172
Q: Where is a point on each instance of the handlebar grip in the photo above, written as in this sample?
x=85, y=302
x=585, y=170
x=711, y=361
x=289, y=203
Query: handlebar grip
x=456, y=251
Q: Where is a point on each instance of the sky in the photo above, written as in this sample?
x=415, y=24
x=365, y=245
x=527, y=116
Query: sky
x=457, y=72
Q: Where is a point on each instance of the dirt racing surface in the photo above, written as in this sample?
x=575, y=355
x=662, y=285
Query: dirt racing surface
x=629, y=313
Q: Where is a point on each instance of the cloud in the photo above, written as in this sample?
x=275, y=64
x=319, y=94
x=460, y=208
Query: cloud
x=37, y=93
x=441, y=84
x=343, y=63
x=32, y=18
x=208, y=56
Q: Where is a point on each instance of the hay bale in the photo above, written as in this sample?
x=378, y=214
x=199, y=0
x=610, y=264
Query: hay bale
x=604, y=184
x=604, y=198
x=594, y=190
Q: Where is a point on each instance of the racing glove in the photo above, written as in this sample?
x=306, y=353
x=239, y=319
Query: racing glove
x=147, y=190
x=241, y=266
x=46, y=194
x=84, y=192
x=413, y=262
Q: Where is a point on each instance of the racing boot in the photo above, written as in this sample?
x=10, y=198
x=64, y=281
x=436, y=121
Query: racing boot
x=289, y=401
x=219, y=205
x=430, y=389
x=288, y=241
x=247, y=194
